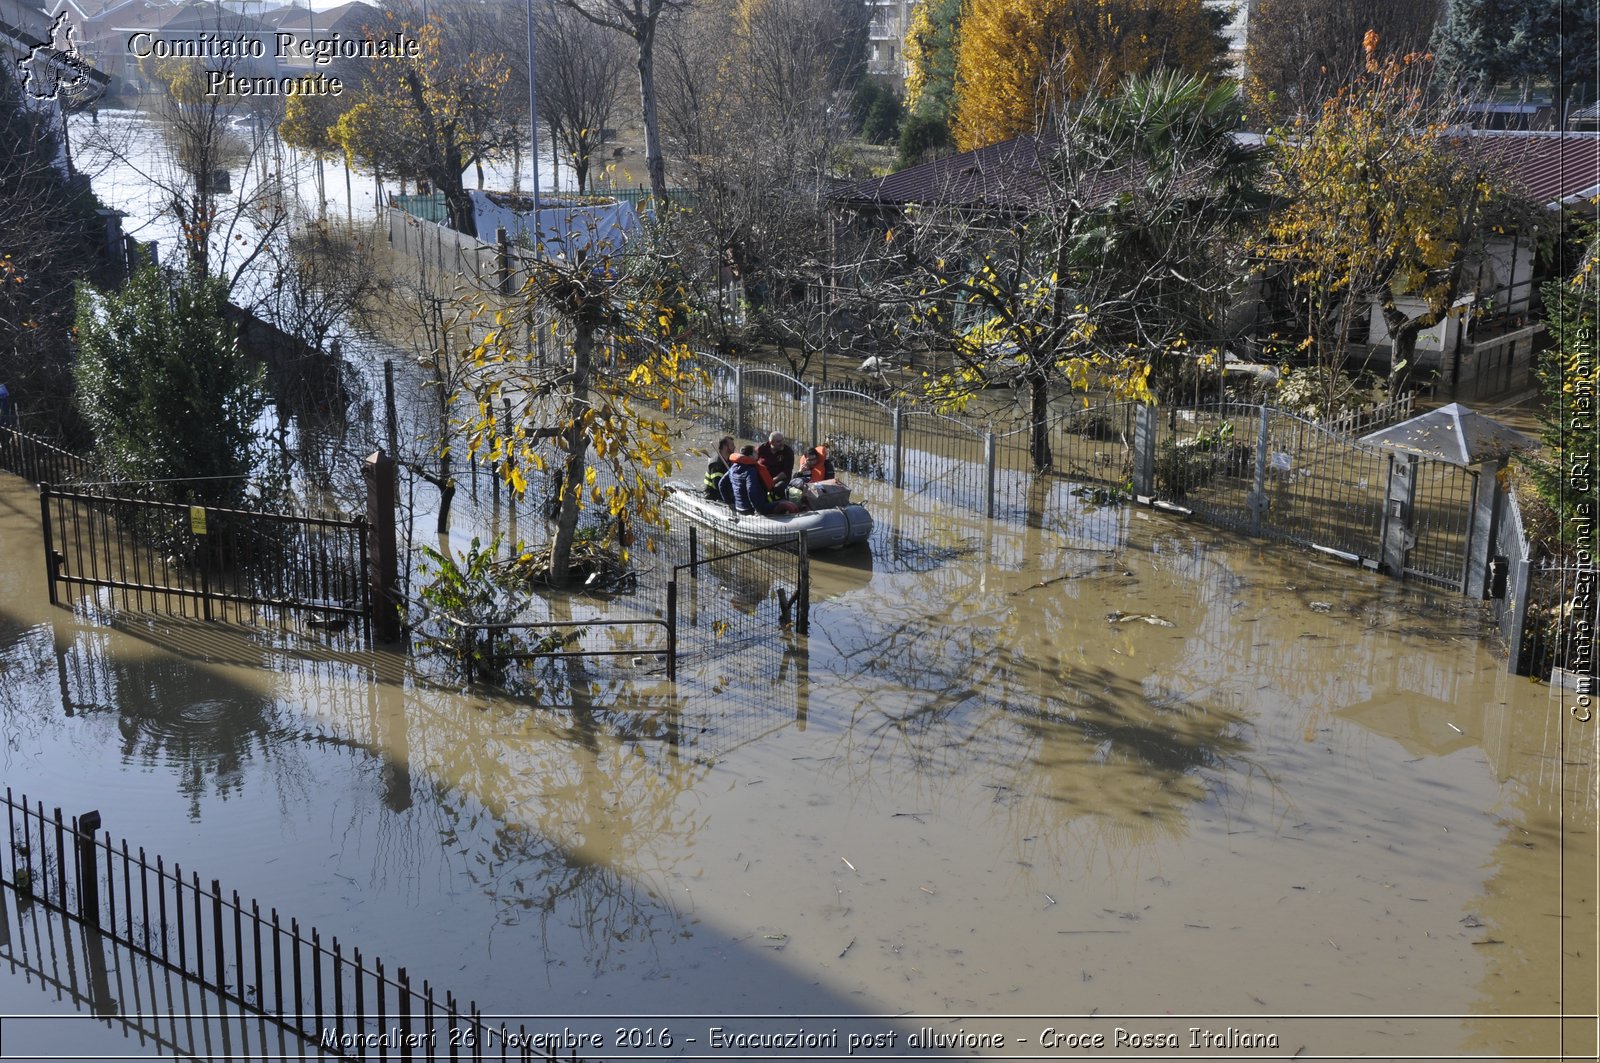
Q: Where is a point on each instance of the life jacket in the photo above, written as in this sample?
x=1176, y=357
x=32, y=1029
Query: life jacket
x=823, y=469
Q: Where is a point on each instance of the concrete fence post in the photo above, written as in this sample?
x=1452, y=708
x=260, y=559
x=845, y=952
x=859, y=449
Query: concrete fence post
x=899, y=449
x=811, y=402
x=1258, y=491
x=502, y=261
x=1398, y=538
x=1481, y=530
x=988, y=474
x=739, y=420
x=1144, y=451
x=383, y=558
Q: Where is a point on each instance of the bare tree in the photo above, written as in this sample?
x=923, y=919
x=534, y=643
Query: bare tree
x=1096, y=257
x=580, y=66
x=224, y=227
x=757, y=105
x=640, y=20
x=1300, y=51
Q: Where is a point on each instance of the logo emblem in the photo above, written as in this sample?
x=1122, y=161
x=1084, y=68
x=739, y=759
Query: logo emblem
x=55, y=67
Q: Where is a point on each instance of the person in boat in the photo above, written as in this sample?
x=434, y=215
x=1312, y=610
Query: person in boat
x=815, y=466
x=752, y=490
x=777, y=457
x=717, y=468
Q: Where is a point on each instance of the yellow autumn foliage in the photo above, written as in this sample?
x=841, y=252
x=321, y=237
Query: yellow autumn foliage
x=1017, y=59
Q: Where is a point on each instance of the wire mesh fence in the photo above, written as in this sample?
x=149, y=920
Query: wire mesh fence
x=1321, y=488
x=731, y=596
x=1206, y=462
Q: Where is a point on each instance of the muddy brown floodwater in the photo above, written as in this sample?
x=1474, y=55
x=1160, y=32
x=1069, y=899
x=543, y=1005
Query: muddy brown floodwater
x=1120, y=772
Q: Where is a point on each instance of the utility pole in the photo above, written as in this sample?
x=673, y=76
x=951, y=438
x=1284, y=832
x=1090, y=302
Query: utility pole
x=533, y=126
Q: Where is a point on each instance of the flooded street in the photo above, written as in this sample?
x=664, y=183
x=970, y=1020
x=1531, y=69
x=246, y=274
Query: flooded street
x=1000, y=785
x=1106, y=768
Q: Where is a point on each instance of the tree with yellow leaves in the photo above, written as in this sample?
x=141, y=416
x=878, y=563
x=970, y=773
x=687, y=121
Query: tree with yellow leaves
x=1376, y=204
x=433, y=115
x=1017, y=60
x=623, y=302
x=1096, y=257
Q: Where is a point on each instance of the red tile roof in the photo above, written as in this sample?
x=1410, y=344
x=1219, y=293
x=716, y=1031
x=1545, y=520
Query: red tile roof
x=1547, y=166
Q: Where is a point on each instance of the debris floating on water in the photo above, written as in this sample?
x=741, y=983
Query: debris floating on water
x=1120, y=617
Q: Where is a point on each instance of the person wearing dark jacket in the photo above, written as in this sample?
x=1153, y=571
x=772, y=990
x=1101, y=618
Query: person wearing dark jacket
x=777, y=457
x=752, y=492
x=717, y=468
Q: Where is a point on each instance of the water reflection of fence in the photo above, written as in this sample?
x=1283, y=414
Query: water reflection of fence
x=207, y=562
x=493, y=646
x=310, y=990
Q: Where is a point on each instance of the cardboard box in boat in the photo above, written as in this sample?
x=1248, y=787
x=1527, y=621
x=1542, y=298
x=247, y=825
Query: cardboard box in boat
x=826, y=494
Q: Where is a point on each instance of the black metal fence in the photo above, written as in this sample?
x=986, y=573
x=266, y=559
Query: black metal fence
x=40, y=461
x=206, y=562
x=331, y=1001
x=1562, y=619
x=725, y=595
x=140, y=1002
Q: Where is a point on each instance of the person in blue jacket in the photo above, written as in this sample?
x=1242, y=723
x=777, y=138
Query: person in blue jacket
x=751, y=491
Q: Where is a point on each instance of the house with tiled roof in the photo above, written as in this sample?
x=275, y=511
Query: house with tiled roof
x=1484, y=348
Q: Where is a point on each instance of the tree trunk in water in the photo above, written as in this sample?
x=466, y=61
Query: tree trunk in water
x=577, y=441
x=1039, y=420
x=1403, y=333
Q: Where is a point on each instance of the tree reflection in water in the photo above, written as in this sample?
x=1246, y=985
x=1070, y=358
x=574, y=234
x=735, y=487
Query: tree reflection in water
x=590, y=828
x=1000, y=658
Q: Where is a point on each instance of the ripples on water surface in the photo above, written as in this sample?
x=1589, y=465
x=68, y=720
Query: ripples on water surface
x=1112, y=765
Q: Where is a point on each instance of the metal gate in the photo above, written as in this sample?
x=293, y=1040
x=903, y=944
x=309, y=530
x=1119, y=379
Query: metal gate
x=209, y=563
x=1441, y=521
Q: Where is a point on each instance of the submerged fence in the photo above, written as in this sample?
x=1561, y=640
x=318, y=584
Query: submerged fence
x=332, y=1002
x=1547, y=609
x=206, y=562
x=1246, y=467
